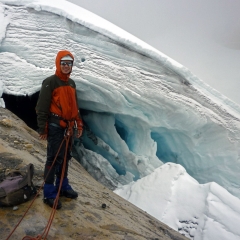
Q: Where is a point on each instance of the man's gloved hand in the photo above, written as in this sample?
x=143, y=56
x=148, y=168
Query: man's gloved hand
x=43, y=136
x=43, y=133
x=79, y=133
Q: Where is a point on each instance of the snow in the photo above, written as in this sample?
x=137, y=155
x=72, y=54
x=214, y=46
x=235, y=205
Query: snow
x=142, y=109
x=2, y=103
x=4, y=22
x=199, y=211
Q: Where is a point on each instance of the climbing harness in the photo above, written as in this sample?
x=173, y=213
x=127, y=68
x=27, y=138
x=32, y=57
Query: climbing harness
x=67, y=136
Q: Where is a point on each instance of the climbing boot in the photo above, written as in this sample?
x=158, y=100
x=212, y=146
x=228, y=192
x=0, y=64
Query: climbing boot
x=50, y=202
x=69, y=193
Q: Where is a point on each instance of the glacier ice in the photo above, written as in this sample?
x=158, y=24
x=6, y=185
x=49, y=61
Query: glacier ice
x=146, y=108
x=2, y=103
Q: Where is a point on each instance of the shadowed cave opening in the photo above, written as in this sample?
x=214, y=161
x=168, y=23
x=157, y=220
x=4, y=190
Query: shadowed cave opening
x=121, y=130
x=164, y=152
x=23, y=107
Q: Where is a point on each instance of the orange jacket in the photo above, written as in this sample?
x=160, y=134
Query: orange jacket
x=58, y=96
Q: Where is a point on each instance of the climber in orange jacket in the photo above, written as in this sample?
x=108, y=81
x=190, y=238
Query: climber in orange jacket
x=57, y=107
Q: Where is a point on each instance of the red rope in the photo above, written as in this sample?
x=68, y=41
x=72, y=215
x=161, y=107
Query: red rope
x=47, y=229
x=67, y=136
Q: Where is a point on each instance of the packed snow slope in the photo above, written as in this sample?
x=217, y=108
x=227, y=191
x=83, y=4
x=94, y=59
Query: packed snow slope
x=198, y=211
x=142, y=108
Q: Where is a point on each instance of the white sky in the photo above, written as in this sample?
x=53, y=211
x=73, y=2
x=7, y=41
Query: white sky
x=202, y=35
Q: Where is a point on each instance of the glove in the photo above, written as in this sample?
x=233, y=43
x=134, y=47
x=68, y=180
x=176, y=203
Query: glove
x=79, y=133
x=43, y=136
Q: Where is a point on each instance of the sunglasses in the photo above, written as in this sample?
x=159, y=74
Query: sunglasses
x=66, y=63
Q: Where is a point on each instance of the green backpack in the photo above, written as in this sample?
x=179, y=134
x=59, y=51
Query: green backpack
x=17, y=187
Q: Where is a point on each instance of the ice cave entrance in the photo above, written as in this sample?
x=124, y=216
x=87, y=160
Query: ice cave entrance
x=170, y=144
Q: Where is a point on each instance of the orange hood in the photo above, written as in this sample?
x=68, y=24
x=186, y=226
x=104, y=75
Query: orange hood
x=58, y=72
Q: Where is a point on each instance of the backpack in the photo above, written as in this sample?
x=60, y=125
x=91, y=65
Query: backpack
x=17, y=187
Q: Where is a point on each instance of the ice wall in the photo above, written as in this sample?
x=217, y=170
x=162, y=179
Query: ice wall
x=4, y=22
x=142, y=111
x=2, y=104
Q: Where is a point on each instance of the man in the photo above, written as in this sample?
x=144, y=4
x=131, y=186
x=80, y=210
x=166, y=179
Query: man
x=57, y=110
